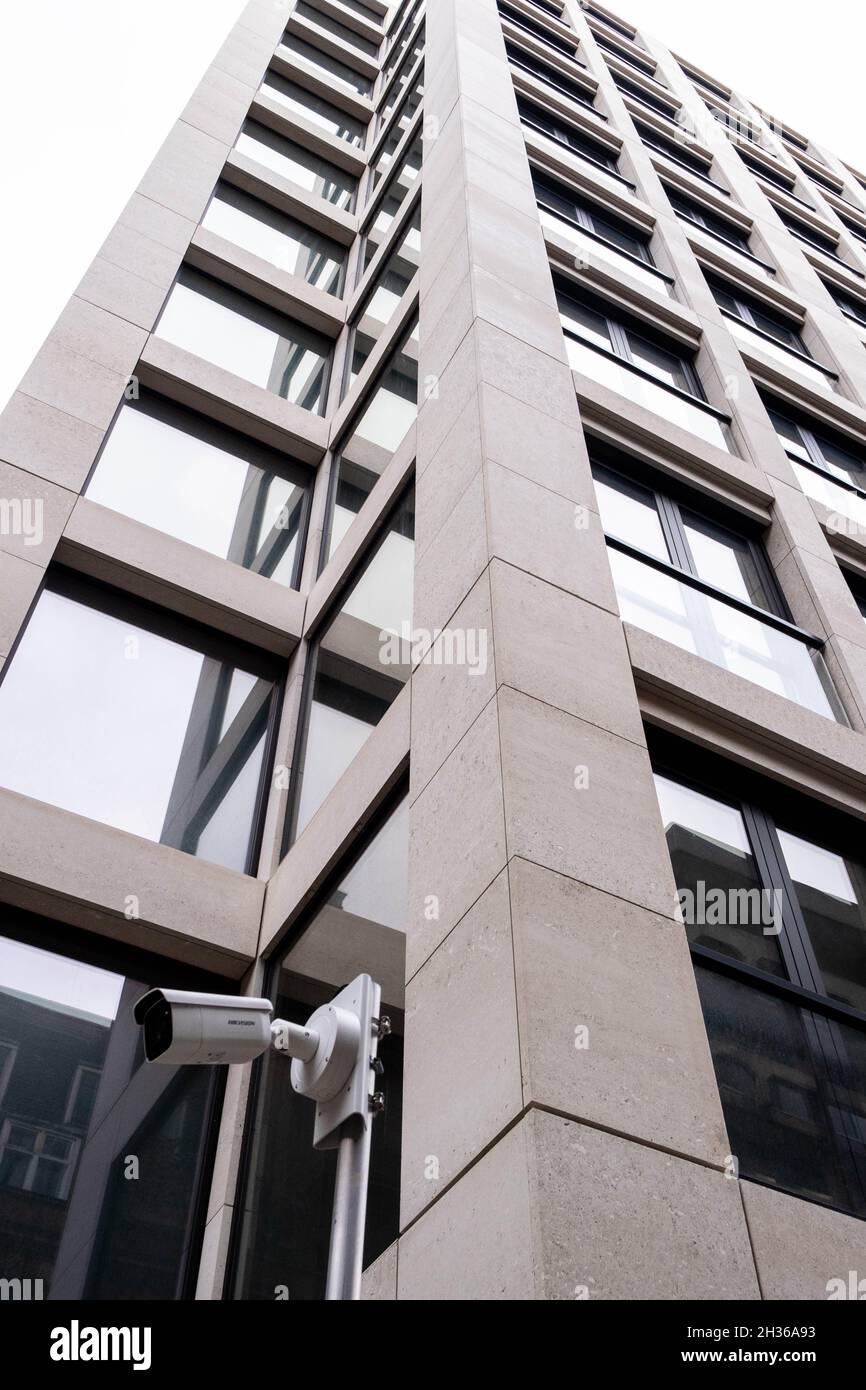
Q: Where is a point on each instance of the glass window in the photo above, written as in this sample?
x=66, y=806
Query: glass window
x=327, y=25
x=284, y=1218
x=641, y=64
x=174, y=470
x=390, y=411
x=659, y=601
x=246, y=337
x=276, y=237
x=68, y=1216
x=639, y=93
x=678, y=153
x=380, y=306
x=332, y=68
x=312, y=108
x=852, y=307
x=400, y=184
x=361, y=664
x=538, y=30
x=831, y=893
x=162, y=725
x=705, y=217
x=570, y=204
x=804, y=232
x=554, y=77
x=398, y=88
x=710, y=849
x=666, y=366
x=770, y=912
x=299, y=166
x=560, y=130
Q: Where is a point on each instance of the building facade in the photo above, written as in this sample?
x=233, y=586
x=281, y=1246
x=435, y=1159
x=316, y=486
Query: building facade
x=433, y=543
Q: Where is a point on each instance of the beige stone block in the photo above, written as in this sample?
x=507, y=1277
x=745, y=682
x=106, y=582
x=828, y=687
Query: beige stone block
x=453, y=858
x=19, y=584
x=33, y=513
x=41, y=439
x=462, y=1083
x=801, y=1248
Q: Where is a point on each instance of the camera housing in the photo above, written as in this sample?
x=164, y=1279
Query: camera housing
x=181, y=1027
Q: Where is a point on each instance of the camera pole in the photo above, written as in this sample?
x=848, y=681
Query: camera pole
x=335, y=1063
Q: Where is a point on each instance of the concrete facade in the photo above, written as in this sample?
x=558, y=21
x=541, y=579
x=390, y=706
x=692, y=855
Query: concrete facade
x=541, y=893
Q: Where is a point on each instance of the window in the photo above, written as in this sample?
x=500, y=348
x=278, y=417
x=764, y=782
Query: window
x=852, y=307
x=276, y=237
x=246, y=337
x=630, y=359
x=644, y=65
x=312, y=108
x=857, y=229
x=829, y=467
x=822, y=179
x=553, y=77
x=706, y=84
x=381, y=304
x=360, y=665
x=775, y=912
x=410, y=166
x=755, y=322
x=283, y=1218
x=677, y=153
x=163, y=725
x=697, y=582
x=299, y=166
x=615, y=24
x=331, y=68
x=735, y=123
x=327, y=25
x=549, y=7
x=397, y=49
x=409, y=106
x=857, y=585
x=67, y=1215
x=765, y=172
x=399, y=185
x=557, y=128
x=690, y=210
x=539, y=30
x=179, y=472
x=597, y=232
x=668, y=109
x=399, y=87
x=388, y=413
x=803, y=232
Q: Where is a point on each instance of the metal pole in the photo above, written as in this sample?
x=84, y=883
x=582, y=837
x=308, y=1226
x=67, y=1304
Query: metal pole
x=346, y=1254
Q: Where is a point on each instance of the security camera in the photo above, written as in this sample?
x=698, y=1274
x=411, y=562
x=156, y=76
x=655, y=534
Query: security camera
x=203, y=1029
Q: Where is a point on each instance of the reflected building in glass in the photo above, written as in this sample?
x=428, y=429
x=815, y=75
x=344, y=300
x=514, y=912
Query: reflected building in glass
x=432, y=545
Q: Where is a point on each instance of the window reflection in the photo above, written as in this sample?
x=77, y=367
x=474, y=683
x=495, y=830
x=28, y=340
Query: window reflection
x=312, y=108
x=174, y=470
x=276, y=237
x=831, y=892
x=284, y=1229
x=248, y=338
x=74, y=1103
x=390, y=412
x=380, y=306
x=399, y=186
x=362, y=663
x=299, y=166
x=310, y=56
x=136, y=702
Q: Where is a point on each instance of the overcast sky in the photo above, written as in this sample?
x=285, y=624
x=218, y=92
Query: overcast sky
x=90, y=88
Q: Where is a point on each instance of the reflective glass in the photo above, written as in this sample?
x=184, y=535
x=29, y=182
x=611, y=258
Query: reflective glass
x=399, y=186
x=362, y=663
x=74, y=1104
x=831, y=892
x=332, y=67
x=712, y=629
x=392, y=283
x=312, y=108
x=296, y=164
x=137, y=708
x=246, y=337
x=182, y=474
x=286, y=1212
x=324, y=22
x=390, y=412
x=276, y=237
x=717, y=877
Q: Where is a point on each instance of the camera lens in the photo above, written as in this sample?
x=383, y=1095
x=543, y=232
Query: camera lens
x=157, y=1030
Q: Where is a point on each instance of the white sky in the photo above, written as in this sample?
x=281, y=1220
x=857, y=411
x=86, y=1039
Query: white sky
x=90, y=88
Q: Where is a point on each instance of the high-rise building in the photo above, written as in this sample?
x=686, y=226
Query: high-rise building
x=433, y=543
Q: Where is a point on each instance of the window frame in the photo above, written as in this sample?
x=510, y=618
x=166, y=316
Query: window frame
x=745, y=315
x=568, y=47
x=759, y=804
x=525, y=61
x=811, y=442
x=617, y=330
x=654, y=140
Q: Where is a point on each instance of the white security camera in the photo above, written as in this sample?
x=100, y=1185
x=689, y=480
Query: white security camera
x=203, y=1029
